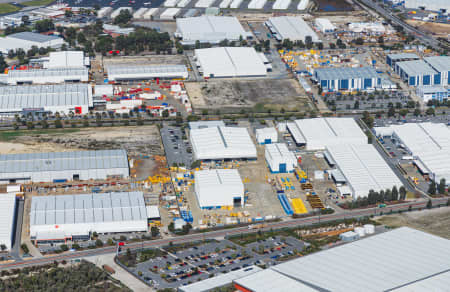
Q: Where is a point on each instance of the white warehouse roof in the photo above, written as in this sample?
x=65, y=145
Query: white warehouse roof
x=219, y=280
x=25, y=40
x=277, y=155
x=269, y=135
x=230, y=62
x=39, y=167
x=222, y=143
x=7, y=211
x=62, y=97
x=127, y=72
x=218, y=187
x=324, y=24
x=383, y=262
x=364, y=168
x=67, y=59
x=433, y=5
x=321, y=132
x=55, y=217
x=430, y=143
x=47, y=76
x=209, y=29
x=291, y=27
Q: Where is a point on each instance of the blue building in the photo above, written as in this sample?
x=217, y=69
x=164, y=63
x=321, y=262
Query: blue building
x=392, y=59
x=417, y=73
x=433, y=93
x=442, y=65
x=347, y=79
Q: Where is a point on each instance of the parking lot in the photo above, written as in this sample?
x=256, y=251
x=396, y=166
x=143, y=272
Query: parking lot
x=176, y=145
x=182, y=266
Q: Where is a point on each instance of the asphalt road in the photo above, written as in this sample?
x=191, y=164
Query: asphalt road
x=223, y=233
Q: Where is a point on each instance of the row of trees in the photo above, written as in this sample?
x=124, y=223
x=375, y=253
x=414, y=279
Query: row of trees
x=440, y=188
x=373, y=198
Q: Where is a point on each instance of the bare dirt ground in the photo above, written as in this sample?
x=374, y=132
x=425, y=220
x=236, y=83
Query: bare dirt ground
x=436, y=221
x=247, y=93
x=437, y=29
x=142, y=140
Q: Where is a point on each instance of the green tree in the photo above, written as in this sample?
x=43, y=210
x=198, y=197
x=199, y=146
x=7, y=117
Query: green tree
x=99, y=243
x=44, y=25
x=123, y=18
x=402, y=192
x=432, y=188
x=3, y=64
x=2, y=247
x=394, y=193
x=391, y=112
x=429, y=204
x=154, y=231
x=442, y=186
x=58, y=123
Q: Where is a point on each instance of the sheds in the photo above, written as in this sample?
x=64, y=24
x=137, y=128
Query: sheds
x=318, y=133
x=230, y=62
x=363, y=168
x=347, y=78
x=432, y=5
x=279, y=158
x=140, y=13
x=150, y=13
x=422, y=259
x=7, y=218
x=216, y=188
x=104, y=11
x=142, y=72
x=204, y=3
x=116, y=12
x=257, y=4
x=349, y=236
x=391, y=59
x=77, y=216
x=281, y=4
x=219, y=281
x=266, y=135
x=169, y=13
x=325, y=25
x=63, y=166
x=63, y=98
x=291, y=27
x=217, y=143
x=153, y=212
x=47, y=76
x=26, y=40
x=209, y=29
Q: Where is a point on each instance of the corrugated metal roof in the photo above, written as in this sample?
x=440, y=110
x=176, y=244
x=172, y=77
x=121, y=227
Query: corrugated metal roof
x=439, y=63
x=7, y=210
x=33, y=37
x=416, y=67
x=60, y=161
x=400, y=56
x=37, y=96
x=346, y=73
x=48, y=72
x=292, y=27
x=153, y=70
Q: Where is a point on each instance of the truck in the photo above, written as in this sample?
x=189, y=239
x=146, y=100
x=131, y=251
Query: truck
x=257, y=226
x=108, y=269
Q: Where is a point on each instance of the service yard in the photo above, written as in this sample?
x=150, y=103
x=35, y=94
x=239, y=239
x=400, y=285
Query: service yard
x=234, y=95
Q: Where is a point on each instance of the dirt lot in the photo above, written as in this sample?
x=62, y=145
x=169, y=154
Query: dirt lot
x=438, y=29
x=143, y=140
x=274, y=93
x=436, y=221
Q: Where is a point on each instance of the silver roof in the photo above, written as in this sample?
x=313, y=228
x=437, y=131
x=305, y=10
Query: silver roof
x=47, y=72
x=439, y=63
x=403, y=56
x=39, y=96
x=153, y=69
x=60, y=161
x=33, y=37
x=87, y=208
x=415, y=67
x=345, y=73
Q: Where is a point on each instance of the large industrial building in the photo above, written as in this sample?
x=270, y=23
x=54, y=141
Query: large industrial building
x=230, y=62
x=209, y=29
x=441, y=64
x=293, y=28
x=431, y=5
x=347, y=78
x=318, y=133
x=66, y=59
x=7, y=218
x=63, y=98
x=392, y=59
x=422, y=262
x=217, y=143
x=279, y=158
x=433, y=93
x=146, y=72
x=26, y=40
x=72, y=217
x=45, y=76
x=216, y=188
x=416, y=72
x=63, y=166
x=428, y=143
x=363, y=168
x=325, y=25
